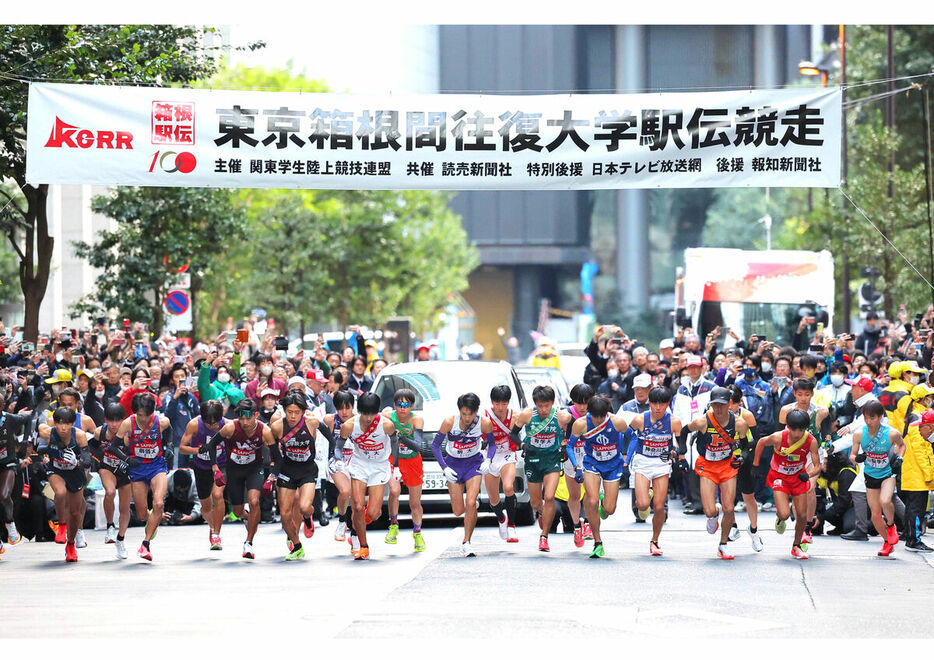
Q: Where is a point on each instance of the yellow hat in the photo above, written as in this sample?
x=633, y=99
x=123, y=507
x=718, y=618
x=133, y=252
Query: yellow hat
x=59, y=376
x=918, y=392
x=896, y=369
x=913, y=366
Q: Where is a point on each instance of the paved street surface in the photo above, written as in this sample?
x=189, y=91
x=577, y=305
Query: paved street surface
x=439, y=594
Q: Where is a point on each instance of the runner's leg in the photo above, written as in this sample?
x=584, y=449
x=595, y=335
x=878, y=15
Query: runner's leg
x=660, y=496
x=470, y=512
x=727, y=502
x=591, y=502
x=109, y=481
x=801, y=504
x=252, y=520
x=550, y=486
x=160, y=485
x=358, y=502
x=286, y=504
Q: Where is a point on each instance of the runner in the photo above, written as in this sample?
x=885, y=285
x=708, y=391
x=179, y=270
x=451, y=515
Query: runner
x=113, y=475
x=581, y=394
x=69, y=456
x=10, y=426
x=503, y=464
x=243, y=444
x=655, y=451
x=544, y=445
x=375, y=447
x=602, y=463
x=818, y=427
x=143, y=433
x=409, y=426
x=465, y=460
x=339, y=463
x=790, y=473
x=718, y=457
x=197, y=433
x=747, y=480
x=296, y=435
x=877, y=442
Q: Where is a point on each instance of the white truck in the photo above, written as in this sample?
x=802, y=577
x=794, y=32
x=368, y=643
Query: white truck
x=762, y=292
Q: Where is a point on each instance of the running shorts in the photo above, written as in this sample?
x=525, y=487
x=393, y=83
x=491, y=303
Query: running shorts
x=789, y=484
x=500, y=460
x=75, y=480
x=536, y=467
x=716, y=471
x=344, y=469
x=875, y=483
x=121, y=476
x=649, y=467
x=608, y=470
x=204, y=482
x=295, y=475
x=413, y=471
x=372, y=473
x=466, y=468
x=242, y=480
x=147, y=471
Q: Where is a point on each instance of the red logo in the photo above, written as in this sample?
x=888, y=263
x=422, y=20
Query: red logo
x=173, y=123
x=171, y=161
x=66, y=135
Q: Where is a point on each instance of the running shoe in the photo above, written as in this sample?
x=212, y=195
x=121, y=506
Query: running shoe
x=290, y=545
x=362, y=553
x=807, y=538
x=111, y=535
x=2, y=549
x=512, y=535
x=80, y=541
x=308, y=530
x=600, y=510
x=886, y=549
x=768, y=506
x=248, y=550
x=756, y=539
x=578, y=537
x=916, y=546
x=216, y=542
x=588, y=533
x=70, y=553
x=543, y=544
x=644, y=515
x=780, y=525
x=61, y=533
x=503, y=525
x=121, y=549
x=354, y=542
x=419, y=542
x=340, y=534
x=392, y=535
x=723, y=552
x=798, y=552
x=654, y=549
x=13, y=535
x=144, y=552
x=295, y=555
x=734, y=533
x=804, y=544
x=891, y=532
x=713, y=524
x=467, y=550
x=597, y=551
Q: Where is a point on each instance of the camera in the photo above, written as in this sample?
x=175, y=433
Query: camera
x=281, y=343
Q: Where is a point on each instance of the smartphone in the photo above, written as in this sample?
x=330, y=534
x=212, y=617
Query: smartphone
x=190, y=382
x=810, y=320
x=243, y=336
x=909, y=328
x=761, y=337
x=918, y=317
x=820, y=328
x=178, y=359
x=126, y=323
x=917, y=347
x=29, y=347
x=815, y=348
x=231, y=335
x=281, y=343
x=119, y=342
x=780, y=380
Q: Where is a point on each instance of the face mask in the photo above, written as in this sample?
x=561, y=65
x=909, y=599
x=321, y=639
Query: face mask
x=766, y=367
x=59, y=357
x=837, y=380
x=269, y=410
x=914, y=379
x=100, y=394
x=265, y=370
x=863, y=400
x=56, y=389
x=612, y=373
x=223, y=377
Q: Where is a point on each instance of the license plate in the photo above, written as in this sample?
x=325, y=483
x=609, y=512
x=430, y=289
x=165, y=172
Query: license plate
x=435, y=481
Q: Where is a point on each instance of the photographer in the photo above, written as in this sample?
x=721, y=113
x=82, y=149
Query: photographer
x=182, y=506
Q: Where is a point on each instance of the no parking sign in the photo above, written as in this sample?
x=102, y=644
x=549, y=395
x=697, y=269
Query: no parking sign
x=177, y=305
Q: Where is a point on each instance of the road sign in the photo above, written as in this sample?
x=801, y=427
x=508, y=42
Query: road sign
x=177, y=302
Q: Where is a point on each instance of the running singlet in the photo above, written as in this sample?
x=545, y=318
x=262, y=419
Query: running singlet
x=145, y=444
x=63, y=455
x=464, y=443
x=372, y=443
x=407, y=432
x=298, y=444
x=245, y=449
x=791, y=462
x=714, y=446
x=100, y=447
x=877, y=449
x=655, y=439
x=199, y=439
x=601, y=443
x=580, y=444
x=544, y=436
x=501, y=437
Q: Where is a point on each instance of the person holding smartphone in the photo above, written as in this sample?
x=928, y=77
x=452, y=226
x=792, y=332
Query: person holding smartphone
x=180, y=407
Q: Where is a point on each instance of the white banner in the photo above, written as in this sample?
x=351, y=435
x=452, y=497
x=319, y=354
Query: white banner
x=144, y=136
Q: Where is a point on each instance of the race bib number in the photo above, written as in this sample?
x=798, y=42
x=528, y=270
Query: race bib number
x=717, y=452
x=877, y=460
x=654, y=448
x=543, y=441
x=111, y=460
x=148, y=450
x=785, y=468
x=463, y=449
x=605, y=452
x=242, y=456
x=298, y=454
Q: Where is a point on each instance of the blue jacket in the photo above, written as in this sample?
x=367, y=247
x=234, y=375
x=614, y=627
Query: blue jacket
x=179, y=412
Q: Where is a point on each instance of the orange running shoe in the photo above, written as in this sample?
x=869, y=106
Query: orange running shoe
x=723, y=552
x=798, y=553
x=362, y=553
x=886, y=549
x=654, y=549
x=61, y=534
x=71, y=554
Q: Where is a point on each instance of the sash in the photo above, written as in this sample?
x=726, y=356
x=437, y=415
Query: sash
x=544, y=423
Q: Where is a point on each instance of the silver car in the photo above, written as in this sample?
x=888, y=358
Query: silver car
x=437, y=385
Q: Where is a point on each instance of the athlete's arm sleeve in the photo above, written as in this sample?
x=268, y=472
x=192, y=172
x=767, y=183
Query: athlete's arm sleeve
x=211, y=446
x=275, y=455
x=84, y=456
x=490, y=445
x=569, y=449
x=394, y=447
x=419, y=436
x=514, y=436
x=631, y=449
x=683, y=440
x=326, y=432
x=413, y=445
x=436, y=449
x=116, y=448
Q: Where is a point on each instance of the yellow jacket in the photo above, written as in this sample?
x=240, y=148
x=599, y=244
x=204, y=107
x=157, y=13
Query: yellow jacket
x=896, y=398
x=918, y=461
x=545, y=357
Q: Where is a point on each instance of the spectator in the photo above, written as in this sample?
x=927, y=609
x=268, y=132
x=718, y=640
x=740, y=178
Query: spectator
x=182, y=506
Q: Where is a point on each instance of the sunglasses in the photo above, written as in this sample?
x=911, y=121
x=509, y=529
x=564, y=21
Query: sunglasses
x=403, y=404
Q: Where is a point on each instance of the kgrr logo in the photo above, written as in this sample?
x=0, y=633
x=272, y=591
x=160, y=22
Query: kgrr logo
x=171, y=161
x=65, y=135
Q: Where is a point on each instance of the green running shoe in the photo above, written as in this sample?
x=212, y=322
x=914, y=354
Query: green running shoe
x=296, y=554
x=419, y=542
x=597, y=551
x=601, y=510
x=779, y=526
x=804, y=545
x=392, y=535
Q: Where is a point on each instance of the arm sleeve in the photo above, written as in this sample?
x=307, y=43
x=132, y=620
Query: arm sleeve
x=211, y=446
x=490, y=445
x=394, y=448
x=414, y=446
x=569, y=449
x=633, y=442
x=275, y=456
x=436, y=449
x=514, y=436
x=116, y=448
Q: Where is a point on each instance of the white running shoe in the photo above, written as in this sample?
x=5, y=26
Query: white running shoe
x=713, y=524
x=12, y=533
x=354, y=543
x=466, y=550
x=734, y=533
x=248, y=550
x=111, y=535
x=756, y=539
x=340, y=534
x=80, y=541
x=121, y=550
x=503, y=527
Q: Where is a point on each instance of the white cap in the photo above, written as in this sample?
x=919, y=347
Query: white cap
x=267, y=391
x=296, y=379
x=666, y=343
x=642, y=380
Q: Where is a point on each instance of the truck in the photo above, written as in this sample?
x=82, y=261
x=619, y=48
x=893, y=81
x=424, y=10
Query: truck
x=761, y=292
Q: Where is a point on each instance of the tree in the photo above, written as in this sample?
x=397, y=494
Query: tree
x=190, y=225
x=79, y=53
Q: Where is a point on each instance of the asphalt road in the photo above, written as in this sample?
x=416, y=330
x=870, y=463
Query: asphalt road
x=438, y=594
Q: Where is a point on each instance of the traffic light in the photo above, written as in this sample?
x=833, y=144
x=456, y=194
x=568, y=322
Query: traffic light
x=398, y=337
x=870, y=298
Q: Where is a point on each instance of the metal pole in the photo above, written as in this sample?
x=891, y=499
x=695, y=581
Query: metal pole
x=846, y=260
x=926, y=114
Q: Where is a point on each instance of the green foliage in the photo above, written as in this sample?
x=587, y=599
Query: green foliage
x=195, y=225
x=733, y=218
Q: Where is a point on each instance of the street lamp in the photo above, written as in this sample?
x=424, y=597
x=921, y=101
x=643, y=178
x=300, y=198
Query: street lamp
x=822, y=68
